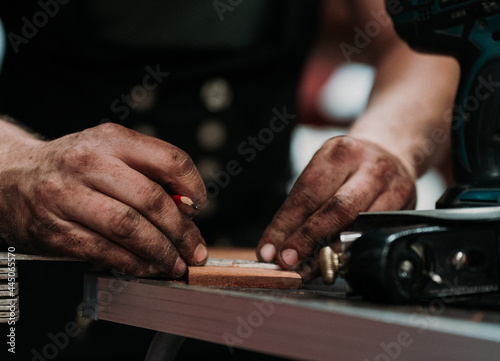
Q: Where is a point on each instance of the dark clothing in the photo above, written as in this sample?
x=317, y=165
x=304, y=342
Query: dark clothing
x=171, y=68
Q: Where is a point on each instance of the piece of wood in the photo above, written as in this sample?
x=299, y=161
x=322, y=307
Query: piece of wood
x=232, y=253
x=243, y=277
x=240, y=276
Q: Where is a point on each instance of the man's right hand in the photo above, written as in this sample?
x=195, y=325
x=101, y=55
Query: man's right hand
x=99, y=195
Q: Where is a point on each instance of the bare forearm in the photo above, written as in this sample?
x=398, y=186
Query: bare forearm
x=409, y=111
x=13, y=136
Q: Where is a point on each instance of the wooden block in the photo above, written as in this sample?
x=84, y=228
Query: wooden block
x=232, y=253
x=239, y=276
x=243, y=277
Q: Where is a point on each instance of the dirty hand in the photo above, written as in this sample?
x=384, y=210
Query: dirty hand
x=345, y=177
x=99, y=195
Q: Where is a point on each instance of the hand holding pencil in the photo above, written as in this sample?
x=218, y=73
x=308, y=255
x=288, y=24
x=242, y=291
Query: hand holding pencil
x=186, y=205
x=100, y=195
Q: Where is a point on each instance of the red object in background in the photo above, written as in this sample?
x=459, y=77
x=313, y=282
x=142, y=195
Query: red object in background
x=335, y=19
x=316, y=72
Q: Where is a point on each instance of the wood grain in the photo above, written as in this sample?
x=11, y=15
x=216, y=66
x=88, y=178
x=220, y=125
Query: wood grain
x=243, y=277
x=232, y=253
x=239, y=276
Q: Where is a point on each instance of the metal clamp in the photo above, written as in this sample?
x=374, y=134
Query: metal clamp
x=332, y=264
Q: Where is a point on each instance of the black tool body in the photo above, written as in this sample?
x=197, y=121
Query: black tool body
x=423, y=255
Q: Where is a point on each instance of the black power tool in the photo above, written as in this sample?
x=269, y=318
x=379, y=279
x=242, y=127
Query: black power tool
x=453, y=250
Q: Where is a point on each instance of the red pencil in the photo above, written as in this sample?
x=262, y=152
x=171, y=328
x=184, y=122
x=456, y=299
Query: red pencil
x=185, y=204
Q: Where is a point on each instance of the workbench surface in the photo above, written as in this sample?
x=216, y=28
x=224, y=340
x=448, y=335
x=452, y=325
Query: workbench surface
x=314, y=323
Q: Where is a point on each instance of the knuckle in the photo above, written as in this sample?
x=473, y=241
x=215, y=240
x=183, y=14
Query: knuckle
x=309, y=235
x=109, y=129
x=163, y=254
x=124, y=223
x=184, y=239
x=79, y=157
x=405, y=188
x=183, y=167
x=383, y=168
x=339, y=212
x=396, y=180
x=47, y=230
x=154, y=198
x=335, y=216
x=182, y=164
x=339, y=147
x=180, y=233
x=108, y=134
x=304, y=199
x=385, y=164
x=52, y=187
x=166, y=250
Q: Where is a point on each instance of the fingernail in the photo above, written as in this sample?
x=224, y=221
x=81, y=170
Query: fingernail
x=290, y=257
x=200, y=253
x=268, y=252
x=180, y=266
